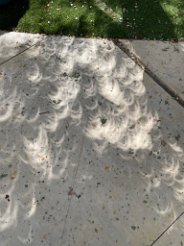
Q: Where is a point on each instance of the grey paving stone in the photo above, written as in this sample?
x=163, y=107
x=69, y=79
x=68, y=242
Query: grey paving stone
x=91, y=149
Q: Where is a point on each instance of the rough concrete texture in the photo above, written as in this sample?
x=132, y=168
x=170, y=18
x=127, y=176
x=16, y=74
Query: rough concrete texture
x=91, y=148
x=165, y=59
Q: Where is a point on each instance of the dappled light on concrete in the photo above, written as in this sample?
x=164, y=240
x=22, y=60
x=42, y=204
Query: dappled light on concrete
x=86, y=144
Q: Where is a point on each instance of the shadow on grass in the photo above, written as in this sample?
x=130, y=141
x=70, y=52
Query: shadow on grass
x=147, y=19
x=140, y=20
x=95, y=18
x=136, y=19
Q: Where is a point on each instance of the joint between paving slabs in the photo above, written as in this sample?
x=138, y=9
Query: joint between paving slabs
x=71, y=191
x=157, y=239
x=172, y=93
x=11, y=58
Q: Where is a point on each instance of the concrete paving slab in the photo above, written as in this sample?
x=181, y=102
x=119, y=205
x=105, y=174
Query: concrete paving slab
x=91, y=148
x=165, y=59
x=130, y=200
x=39, y=152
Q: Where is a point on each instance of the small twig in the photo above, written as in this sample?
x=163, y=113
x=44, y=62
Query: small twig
x=71, y=192
x=45, y=112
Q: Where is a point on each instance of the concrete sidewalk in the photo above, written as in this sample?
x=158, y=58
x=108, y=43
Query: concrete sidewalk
x=91, y=146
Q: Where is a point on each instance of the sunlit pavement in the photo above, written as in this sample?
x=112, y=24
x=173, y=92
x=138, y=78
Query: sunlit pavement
x=91, y=146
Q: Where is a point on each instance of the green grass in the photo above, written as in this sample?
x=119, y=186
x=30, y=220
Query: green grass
x=137, y=19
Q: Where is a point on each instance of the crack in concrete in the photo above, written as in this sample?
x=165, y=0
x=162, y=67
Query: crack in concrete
x=148, y=71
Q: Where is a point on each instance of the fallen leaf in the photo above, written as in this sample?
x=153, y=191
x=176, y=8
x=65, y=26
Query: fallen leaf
x=107, y=168
x=14, y=174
